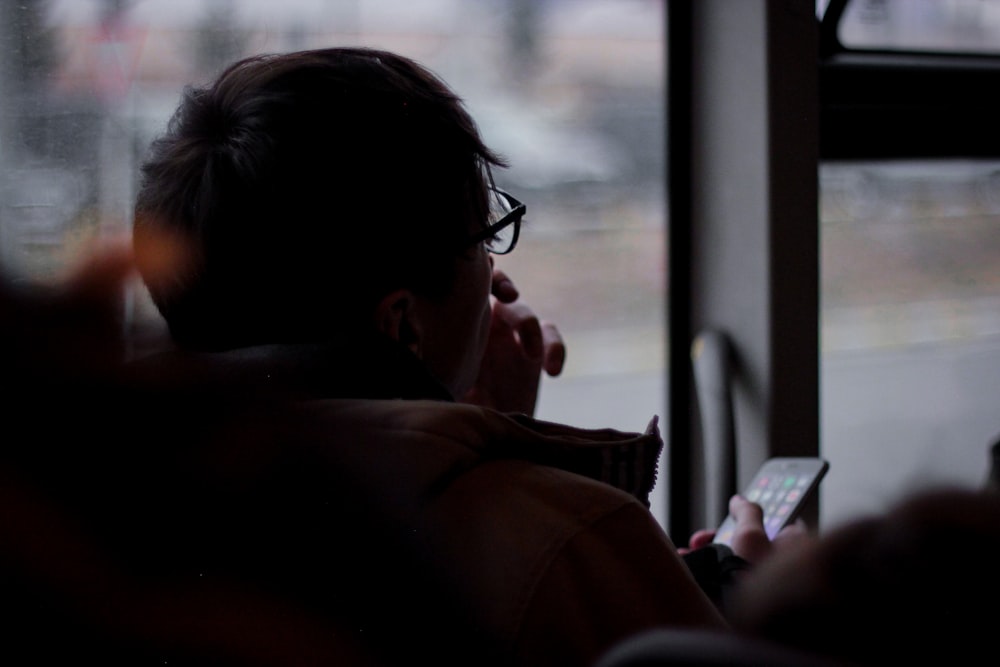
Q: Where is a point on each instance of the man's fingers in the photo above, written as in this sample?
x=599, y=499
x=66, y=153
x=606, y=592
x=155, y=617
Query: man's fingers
x=555, y=349
x=540, y=341
x=745, y=511
x=503, y=287
x=700, y=538
x=522, y=320
x=749, y=538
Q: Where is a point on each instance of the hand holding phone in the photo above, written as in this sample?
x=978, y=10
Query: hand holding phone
x=781, y=487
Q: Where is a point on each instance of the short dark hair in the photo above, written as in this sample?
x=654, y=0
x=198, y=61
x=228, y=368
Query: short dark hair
x=307, y=186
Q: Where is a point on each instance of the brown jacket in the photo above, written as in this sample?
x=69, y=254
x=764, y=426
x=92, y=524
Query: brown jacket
x=541, y=530
x=301, y=513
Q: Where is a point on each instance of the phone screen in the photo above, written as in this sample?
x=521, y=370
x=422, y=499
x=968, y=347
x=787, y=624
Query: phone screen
x=781, y=487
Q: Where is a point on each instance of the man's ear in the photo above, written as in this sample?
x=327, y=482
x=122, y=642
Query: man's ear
x=396, y=317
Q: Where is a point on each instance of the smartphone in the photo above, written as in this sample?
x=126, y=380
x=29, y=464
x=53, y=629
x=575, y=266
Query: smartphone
x=781, y=487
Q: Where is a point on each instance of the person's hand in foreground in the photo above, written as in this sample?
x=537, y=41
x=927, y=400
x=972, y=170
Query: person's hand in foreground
x=520, y=347
x=74, y=323
x=750, y=540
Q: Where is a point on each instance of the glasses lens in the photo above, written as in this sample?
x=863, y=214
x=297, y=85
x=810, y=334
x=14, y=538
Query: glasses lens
x=503, y=238
x=499, y=206
x=501, y=241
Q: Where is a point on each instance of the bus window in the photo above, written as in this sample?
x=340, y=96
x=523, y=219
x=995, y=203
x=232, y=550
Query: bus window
x=910, y=245
x=910, y=294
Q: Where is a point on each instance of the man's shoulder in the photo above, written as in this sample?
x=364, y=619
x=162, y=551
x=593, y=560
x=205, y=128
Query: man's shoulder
x=469, y=435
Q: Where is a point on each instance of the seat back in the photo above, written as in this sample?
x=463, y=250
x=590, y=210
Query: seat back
x=705, y=648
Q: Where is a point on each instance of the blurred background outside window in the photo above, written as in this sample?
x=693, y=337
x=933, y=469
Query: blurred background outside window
x=571, y=91
x=910, y=291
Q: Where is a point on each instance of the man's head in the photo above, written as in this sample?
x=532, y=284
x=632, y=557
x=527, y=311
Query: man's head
x=320, y=194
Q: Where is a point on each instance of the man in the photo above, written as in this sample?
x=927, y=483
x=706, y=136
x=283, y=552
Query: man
x=337, y=220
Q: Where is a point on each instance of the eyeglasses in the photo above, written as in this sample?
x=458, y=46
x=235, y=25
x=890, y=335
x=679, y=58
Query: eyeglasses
x=503, y=225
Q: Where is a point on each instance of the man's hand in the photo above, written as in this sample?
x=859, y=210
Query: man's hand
x=520, y=347
x=750, y=540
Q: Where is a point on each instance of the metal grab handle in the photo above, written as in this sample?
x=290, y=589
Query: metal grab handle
x=711, y=360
